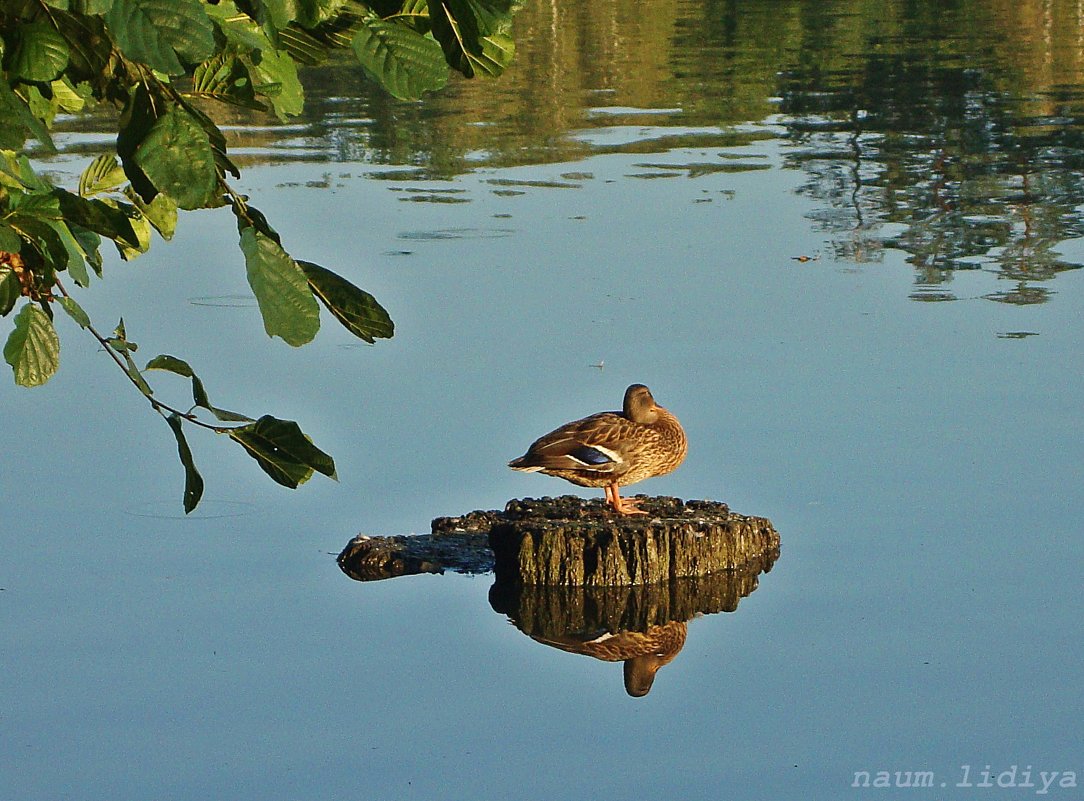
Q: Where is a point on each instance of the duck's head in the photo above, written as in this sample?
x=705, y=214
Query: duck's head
x=640, y=674
x=639, y=406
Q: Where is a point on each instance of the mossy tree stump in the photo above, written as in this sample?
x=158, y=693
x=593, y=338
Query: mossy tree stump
x=569, y=541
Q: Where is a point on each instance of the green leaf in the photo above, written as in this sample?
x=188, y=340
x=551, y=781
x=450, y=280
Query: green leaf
x=75, y=311
x=41, y=53
x=303, y=47
x=77, y=269
x=42, y=237
x=75, y=263
x=134, y=374
x=193, y=481
x=159, y=33
x=474, y=34
x=273, y=72
x=225, y=79
x=16, y=172
x=91, y=46
x=282, y=12
x=135, y=123
x=17, y=121
x=239, y=28
x=12, y=131
x=67, y=98
x=355, y=308
x=103, y=174
x=10, y=242
x=199, y=394
x=142, y=229
x=308, y=13
x=10, y=289
x=282, y=291
x=89, y=242
x=227, y=416
x=105, y=217
x=160, y=212
x=180, y=367
x=177, y=157
x=283, y=451
x=400, y=59
x=123, y=347
x=33, y=348
x=275, y=77
x=218, y=145
x=120, y=338
x=36, y=204
x=171, y=364
x=41, y=106
x=250, y=215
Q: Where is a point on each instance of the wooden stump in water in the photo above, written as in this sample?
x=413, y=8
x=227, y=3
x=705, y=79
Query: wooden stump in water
x=571, y=542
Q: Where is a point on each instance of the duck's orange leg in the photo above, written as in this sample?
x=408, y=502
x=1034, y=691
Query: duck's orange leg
x=624, y=506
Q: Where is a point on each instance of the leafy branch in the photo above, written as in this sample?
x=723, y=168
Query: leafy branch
x=279, y=446
x=165, y=64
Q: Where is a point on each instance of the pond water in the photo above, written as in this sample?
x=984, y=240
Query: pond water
x=842, y=247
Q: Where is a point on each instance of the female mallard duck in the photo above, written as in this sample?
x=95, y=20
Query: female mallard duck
x=611, y=449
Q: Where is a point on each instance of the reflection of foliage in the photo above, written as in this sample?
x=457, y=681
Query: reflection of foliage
x=159, y=62
x=917, y=125
x=922, y=151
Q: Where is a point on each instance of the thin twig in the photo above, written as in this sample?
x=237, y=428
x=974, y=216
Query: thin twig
x=156, y=404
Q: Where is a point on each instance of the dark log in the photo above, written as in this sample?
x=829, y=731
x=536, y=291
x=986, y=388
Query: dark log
x=374, y=558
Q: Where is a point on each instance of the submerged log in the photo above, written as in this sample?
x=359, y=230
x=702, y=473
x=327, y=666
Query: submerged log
x=375, y=558
x=569, y=541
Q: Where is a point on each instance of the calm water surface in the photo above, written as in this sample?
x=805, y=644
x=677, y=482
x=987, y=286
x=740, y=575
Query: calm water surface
x=904, y=404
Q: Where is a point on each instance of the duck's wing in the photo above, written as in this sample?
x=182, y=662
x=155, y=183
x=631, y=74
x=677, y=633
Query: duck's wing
x=598, y=445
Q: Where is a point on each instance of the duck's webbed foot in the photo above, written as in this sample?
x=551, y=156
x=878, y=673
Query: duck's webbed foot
x=623, y=506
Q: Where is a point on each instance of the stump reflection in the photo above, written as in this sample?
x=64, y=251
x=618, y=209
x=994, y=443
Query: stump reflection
x=573, y=575
x=643, y=626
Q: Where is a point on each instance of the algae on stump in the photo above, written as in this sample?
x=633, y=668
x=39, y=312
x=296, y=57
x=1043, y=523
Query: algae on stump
x=572, y=542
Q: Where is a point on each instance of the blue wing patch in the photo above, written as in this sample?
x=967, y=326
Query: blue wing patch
x=589, y=455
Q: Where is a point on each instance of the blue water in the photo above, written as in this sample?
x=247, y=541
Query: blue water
x=922, y=467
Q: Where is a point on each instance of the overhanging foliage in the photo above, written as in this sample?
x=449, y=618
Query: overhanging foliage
x=160, y=62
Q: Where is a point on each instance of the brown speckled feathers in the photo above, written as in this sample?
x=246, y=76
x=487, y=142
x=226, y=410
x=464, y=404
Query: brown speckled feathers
x=611, y=449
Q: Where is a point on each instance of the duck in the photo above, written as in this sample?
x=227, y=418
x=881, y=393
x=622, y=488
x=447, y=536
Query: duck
x=611, y=449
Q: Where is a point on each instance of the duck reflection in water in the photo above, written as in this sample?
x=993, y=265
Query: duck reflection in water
x=643, y=652
x=643, y=625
